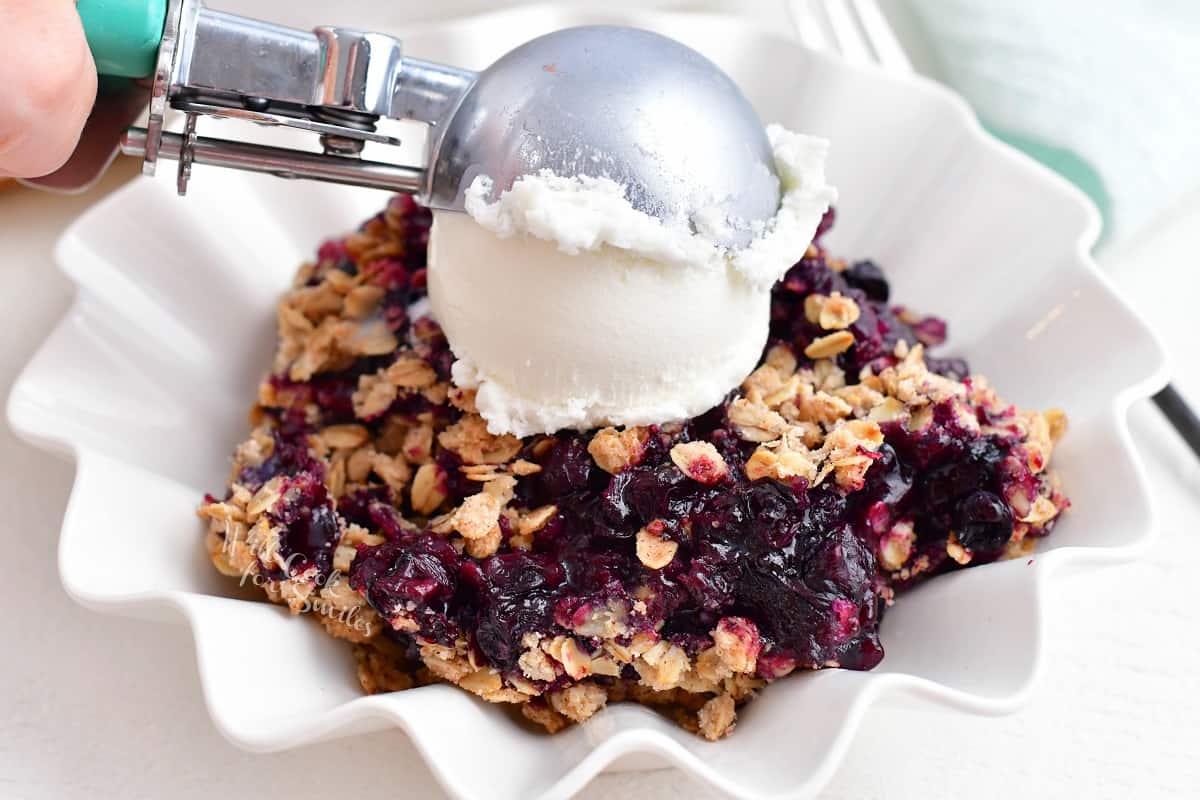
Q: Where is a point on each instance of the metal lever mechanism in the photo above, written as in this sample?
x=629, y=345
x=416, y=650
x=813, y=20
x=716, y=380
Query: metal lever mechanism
x=336, y=83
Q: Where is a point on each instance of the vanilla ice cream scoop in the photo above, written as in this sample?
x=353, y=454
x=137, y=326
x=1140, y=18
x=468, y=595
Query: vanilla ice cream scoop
x=567, y=307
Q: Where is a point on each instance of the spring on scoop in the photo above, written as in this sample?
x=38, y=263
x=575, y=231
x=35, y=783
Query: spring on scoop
x=349, y=119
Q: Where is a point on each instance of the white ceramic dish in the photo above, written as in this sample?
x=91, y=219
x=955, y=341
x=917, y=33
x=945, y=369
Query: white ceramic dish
x=146, y=381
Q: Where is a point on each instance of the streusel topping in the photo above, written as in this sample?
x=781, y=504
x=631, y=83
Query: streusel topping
x=682, y=566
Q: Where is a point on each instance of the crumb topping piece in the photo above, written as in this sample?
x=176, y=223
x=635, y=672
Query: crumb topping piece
x=700, y=461
x=653, y=549
x=477, y=515
x=615, y=450
x=830, y=345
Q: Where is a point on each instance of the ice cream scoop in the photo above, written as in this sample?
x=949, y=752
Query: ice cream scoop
x=629, y=105
x=568, y=307
x=608, y=337
x=627, y=211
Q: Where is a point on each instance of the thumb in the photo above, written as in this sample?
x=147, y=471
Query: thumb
x=47, y=85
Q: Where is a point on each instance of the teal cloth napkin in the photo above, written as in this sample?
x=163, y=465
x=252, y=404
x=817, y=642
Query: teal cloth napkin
x=1105, y=92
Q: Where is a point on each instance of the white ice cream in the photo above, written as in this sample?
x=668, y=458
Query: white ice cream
x=568, y=308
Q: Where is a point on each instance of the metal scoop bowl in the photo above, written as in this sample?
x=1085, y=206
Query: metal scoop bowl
x=612, y=102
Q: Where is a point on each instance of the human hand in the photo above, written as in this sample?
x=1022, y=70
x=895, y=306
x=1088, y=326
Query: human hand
x=47, y=85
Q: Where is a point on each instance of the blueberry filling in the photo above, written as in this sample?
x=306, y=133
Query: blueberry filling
x=799, y=564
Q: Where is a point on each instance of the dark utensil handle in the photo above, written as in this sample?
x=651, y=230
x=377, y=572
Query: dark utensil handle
x=1180, y=415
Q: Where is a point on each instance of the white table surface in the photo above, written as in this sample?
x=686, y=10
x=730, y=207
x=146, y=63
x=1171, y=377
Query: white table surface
x=94, y=706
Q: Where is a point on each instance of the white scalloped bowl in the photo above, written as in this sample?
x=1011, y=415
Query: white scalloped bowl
x=146, y=381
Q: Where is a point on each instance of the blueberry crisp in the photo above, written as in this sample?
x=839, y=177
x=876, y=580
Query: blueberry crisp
x=682, y=565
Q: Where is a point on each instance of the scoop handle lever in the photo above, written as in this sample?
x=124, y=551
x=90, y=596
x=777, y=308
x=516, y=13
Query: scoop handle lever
x=281, y=162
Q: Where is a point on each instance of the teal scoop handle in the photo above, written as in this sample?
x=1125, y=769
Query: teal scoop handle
x=123, y=34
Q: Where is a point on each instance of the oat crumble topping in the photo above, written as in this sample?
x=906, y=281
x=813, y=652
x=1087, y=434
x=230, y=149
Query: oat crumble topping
x=683, y=566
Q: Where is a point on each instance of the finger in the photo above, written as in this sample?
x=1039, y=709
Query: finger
x=47, y=85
